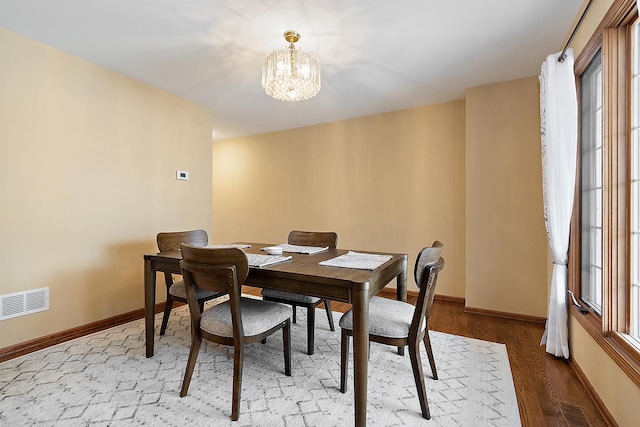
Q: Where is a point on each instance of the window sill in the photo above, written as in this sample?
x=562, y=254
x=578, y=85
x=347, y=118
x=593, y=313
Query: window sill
x=616, y=346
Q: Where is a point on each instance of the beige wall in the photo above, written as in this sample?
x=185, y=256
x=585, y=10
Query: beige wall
x=397, y=181
x=506, y=241
x=390, y=182
x=616, y=390
x=88, y=160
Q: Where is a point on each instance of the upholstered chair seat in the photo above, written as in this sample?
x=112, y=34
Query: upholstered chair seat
x=255, y=315
x=178, y=290
x=387, y=318
x=304, y=299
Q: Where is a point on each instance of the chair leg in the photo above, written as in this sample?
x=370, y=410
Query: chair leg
x=418, y=376
x=432, y=362
x=327, y=307
x=286, y=339
x=344, y=360
x=294, y=312
x=196, y=340
x=311, y=328
x=238, y=358
x=167, y=311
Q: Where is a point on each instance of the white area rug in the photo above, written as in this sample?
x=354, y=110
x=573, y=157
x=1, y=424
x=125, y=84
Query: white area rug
x=105, y=379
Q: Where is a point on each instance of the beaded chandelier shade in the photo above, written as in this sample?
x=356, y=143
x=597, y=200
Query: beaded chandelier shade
x=291, y=74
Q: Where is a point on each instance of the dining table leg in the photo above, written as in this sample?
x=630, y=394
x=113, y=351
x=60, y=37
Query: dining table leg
x=360, y=353
x=149, y=304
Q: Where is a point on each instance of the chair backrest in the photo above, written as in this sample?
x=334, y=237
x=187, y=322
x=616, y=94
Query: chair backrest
x=170, y=241
x=214, y=269
x=428, y=265
x=313, y=238
x=221, y=270
x=428, y=255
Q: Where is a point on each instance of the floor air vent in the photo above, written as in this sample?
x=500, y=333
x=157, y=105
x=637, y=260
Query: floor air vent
x=25, y=302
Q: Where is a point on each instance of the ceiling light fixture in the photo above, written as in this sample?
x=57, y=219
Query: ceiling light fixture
x=291, y=74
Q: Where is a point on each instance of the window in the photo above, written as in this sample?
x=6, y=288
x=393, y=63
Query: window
x=591, y=183
x=634, y=173
x=604, y=254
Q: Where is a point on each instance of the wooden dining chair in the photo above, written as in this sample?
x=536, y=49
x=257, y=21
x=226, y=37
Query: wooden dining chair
x=398, y=323
x=176, y=291
x=236, y=322
x=306, y=238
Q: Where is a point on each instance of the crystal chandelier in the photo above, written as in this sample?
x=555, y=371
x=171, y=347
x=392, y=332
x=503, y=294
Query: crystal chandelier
x=291, y=74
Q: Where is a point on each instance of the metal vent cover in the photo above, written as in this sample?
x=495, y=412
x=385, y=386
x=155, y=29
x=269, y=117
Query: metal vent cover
x=22, y=303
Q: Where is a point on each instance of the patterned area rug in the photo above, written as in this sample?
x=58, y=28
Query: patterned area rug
x=105, y=379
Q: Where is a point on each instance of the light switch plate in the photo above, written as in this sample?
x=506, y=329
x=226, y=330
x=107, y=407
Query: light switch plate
x=184, y=175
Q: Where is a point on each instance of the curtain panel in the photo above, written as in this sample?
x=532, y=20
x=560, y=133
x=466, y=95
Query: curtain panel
x=559, y=140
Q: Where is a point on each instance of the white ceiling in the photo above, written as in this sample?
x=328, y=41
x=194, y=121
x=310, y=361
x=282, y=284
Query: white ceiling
x=376, y=55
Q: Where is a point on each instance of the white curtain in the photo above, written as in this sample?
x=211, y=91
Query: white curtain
x=559, y=130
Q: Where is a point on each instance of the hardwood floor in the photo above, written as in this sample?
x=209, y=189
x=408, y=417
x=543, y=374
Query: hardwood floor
x=549, y=393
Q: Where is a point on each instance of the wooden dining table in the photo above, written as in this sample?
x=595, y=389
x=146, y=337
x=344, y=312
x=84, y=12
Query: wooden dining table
x=303, y=274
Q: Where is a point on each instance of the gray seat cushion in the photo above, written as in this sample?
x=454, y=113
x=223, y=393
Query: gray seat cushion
x=257, y=317
x=387, y=318
x=305, y=299
x=178, y=290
